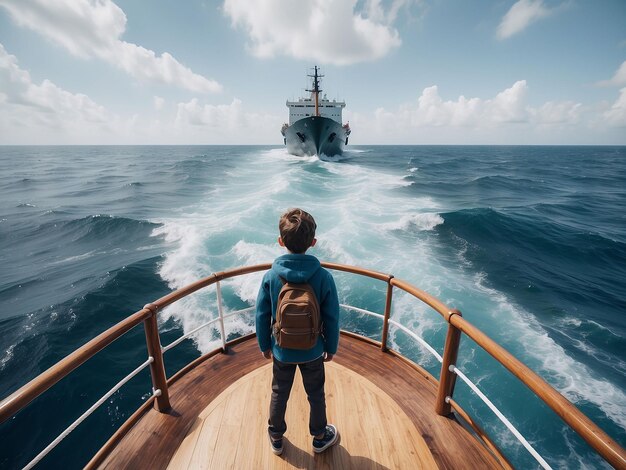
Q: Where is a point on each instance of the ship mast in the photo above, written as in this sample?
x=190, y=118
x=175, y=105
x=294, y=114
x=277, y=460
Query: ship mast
x=316, y=89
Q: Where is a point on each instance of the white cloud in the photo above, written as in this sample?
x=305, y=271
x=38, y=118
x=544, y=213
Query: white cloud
x=616, y=116
x=376, y=11
x=158, y=103
x=92, y=28
x=326, y=31
x=507, y=106
x=44, y=113
x=521, y=15
x=228, y=117
x=228, y=123
x=506, y=118
x=29, y=110
x=619, y=79
x=565, y=112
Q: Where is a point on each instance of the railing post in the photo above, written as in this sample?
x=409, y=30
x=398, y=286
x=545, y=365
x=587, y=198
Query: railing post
x=157, y=368
x=220, y=309
x=447, y=378
x=383, y=345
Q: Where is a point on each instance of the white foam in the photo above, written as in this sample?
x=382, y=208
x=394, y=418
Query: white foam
x=570, y=322
x=577, y=461
x=332, y=158
x=355, y=207
x=8, y=355
x=247, y=254
x=185, y=265
x=586, y=347
x=420, y=222
x=417, y=317
x=282, y=154
x=81, y=257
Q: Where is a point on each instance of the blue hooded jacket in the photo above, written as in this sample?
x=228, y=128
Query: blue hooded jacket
x=298, y=268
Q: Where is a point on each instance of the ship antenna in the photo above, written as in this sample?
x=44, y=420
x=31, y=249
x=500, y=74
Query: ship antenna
x=316, y=89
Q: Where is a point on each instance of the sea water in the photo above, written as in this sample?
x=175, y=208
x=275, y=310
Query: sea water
x=529, y=242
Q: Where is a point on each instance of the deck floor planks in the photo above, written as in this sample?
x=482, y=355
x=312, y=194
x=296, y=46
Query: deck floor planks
x=451, y=445
x=398, y=445
x=384, y=383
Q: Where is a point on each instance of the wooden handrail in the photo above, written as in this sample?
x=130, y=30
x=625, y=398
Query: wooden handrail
x=23, y=396
x=589, y=431
x=357, y=270
x=27, y=393
x=207, y=281
x=446, y=378
x=157, y=367
x=601, y=442
x=386, y=316
x=576, y=419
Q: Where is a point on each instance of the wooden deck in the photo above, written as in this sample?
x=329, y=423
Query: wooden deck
x=382, y=407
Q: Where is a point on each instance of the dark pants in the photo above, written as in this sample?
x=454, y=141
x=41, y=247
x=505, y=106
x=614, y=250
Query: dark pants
x=313, y=378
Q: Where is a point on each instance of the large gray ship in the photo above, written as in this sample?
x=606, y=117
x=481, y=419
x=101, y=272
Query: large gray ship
x=315, y=126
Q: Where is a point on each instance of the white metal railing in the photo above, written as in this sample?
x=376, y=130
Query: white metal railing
x=87, y=413
x=362, y=310
x=499, y=414
x=204, y=325
x=150, y=360
x=187, y=335
x=220, y=309
x=157, y=348
x=419, y=339
x=221, y=317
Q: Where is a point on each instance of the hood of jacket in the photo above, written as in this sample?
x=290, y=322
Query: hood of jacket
x=296, y=268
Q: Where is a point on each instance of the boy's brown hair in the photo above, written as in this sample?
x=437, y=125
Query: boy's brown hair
x=297, y=230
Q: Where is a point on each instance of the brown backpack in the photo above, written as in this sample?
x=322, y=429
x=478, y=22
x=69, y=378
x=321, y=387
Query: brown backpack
x=298, y=319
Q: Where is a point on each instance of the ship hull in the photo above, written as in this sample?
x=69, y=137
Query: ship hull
x=315, y=135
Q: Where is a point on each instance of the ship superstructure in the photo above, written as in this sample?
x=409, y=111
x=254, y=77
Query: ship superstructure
x=315, y=124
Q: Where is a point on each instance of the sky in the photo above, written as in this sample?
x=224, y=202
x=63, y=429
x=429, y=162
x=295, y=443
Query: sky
x=505, y=72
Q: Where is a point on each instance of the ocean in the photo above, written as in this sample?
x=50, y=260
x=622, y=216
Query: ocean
x=528, y=242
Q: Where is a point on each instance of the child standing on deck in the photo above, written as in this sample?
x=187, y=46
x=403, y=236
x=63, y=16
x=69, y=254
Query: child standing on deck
x=297, y=235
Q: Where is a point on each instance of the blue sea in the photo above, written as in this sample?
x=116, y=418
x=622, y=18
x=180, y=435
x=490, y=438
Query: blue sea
x=528, y=242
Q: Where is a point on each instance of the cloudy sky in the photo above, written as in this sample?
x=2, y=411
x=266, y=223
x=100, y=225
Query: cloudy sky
x=219, y=72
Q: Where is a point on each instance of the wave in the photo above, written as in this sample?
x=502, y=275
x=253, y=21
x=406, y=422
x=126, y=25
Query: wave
x=367, y=216
x=499, y=181
x=554, y=270
x=531, y=256
x=235, y=223
x=97, y=228
x=71, y=257
x=7, y=356
x=515, y=250
x=575, y=380
x=419, y=222
x=534, y=238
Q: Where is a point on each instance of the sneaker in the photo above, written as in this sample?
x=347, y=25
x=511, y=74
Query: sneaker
x=276, y=445
x=330, y=438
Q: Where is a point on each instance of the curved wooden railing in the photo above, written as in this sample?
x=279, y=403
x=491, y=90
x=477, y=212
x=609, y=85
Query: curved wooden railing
x=457, y=325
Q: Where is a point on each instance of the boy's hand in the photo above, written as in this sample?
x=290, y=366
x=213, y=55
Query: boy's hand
x=267, y=354
x=328, y=357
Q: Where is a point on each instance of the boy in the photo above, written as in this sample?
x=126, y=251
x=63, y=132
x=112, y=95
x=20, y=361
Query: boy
x=297, y=235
